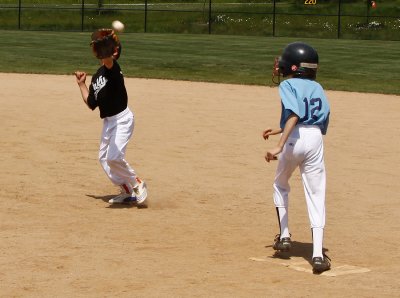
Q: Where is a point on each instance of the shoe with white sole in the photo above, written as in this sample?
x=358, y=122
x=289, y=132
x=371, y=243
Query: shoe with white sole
x=140, y=193
x=121, y=198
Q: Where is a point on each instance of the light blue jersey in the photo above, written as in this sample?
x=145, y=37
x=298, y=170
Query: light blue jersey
x=307, y=100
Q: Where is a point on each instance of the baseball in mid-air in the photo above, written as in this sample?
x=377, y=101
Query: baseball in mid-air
x=118, y=26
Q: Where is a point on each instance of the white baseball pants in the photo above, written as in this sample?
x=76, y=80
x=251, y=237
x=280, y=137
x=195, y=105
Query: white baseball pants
x=117, y=130
x=304, y=149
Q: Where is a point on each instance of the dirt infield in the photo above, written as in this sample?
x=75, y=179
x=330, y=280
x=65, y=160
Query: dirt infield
x=210, y=226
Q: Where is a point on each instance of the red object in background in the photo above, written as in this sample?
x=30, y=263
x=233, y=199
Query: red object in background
x=373, y=4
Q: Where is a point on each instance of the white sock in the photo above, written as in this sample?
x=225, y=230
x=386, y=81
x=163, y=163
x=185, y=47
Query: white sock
x=318, y=237
x=284, y=221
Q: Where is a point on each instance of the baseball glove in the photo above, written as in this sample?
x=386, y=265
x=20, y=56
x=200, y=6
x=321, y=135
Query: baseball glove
x=105, y=43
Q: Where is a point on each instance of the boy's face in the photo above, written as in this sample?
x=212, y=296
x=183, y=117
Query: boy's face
x=114, y=56
x=106, y=60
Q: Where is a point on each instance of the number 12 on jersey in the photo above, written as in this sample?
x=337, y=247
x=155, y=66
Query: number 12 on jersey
x=312, y=107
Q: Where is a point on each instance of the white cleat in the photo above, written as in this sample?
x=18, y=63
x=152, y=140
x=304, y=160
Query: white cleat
x=140, y=193
x=121, y=198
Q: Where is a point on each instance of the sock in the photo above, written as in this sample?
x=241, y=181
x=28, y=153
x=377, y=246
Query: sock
x=125, y=188
x=283, y=221
x=317, y=236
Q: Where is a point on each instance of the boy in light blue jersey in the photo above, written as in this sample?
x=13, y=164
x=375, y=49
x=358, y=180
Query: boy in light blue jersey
x=304, y=119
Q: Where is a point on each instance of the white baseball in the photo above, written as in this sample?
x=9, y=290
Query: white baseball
x=118, y=26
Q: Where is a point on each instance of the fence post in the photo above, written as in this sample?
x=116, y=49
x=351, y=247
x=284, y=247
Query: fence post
x=145, y=16
x=273, y=19
x=209, y=17
x=339, y=14
x=82, y=14
x=19, y=14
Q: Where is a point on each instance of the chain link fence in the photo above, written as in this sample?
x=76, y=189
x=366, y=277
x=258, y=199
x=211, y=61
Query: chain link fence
x=350, y=19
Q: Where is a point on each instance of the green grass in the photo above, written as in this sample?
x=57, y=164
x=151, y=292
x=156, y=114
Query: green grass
x=364, y=66
x=228, y=17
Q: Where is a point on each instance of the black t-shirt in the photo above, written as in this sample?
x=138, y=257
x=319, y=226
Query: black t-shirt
x=107, y=91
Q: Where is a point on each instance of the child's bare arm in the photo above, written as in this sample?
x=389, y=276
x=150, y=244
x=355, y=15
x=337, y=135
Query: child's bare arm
x=287, y=130
x=81, y=81
x=269, y=132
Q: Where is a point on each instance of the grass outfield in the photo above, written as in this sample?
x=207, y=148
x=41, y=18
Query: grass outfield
x=363, y=66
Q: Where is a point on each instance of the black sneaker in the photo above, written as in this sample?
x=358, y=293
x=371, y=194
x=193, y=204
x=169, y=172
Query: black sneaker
x=283, y=244
x=321, y=264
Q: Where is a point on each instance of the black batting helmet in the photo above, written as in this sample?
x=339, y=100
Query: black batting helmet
x=298, y=59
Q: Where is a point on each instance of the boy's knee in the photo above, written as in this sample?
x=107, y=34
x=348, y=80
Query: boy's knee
x=114, y=160
x=280, y=196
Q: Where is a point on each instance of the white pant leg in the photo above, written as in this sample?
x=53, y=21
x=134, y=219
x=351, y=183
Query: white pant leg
x=287, y=162
x=104, y=143
x=117, y=132
x=314, y=178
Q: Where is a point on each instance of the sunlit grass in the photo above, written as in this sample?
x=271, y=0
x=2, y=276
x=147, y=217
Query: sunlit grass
x=366, y=66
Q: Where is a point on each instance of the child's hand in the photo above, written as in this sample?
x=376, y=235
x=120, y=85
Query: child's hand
x=267, y=133
x=80, y=77
x=272, y=154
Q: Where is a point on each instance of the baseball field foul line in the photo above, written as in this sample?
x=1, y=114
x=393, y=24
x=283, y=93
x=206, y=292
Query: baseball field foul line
x=302, y=265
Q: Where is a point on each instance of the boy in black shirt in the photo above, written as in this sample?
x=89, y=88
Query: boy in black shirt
x=107, y=91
